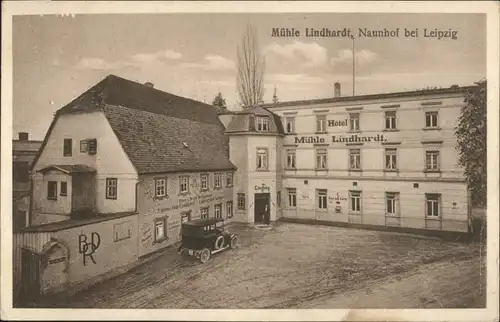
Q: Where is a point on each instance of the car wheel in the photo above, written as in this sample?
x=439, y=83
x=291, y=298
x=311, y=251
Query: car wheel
x=233, y=242
x=205, y=255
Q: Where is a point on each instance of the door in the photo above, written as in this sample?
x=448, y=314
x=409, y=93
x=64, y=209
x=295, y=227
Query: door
x=262, y=207
x=30, y=276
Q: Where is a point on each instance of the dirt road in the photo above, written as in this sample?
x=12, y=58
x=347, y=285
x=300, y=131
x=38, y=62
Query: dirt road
x=301, y=266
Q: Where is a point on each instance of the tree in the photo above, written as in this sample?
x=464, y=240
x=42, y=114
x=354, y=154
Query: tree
x=219, y=101
x=251, y=65
x=471, y=142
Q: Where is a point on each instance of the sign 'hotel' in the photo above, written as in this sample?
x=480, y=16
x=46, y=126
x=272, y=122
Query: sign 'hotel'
x=382, y=159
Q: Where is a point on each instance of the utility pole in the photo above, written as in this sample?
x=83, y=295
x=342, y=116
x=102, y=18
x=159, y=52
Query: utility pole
x=353, y=68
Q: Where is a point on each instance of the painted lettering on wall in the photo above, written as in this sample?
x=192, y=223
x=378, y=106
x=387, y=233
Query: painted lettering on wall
x=337, y=198
x=341, y=138
x=174, y=224
x=88, y=247
x=358, y=138
x=263, y=187
x=337, y=123
x=146, y=234
x=309, y=139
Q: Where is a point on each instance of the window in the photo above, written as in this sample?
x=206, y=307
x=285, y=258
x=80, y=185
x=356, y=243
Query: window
x=432, y=160
x=184, y=184
x=251, y=123
x=390, y=120
x=355, y=204
x=261, y=159
x=354, y=121
x=390, y=159
x=218, y=211
x=431, y=119
x=262, y=123
x=241, y=201
x=292, y=197
x=321, y=159
x=52, y=190
x=20, y=171
x=321, y=123
x=111, y=188
x=278, y=198
x=92, y=146
x=160, y=187
x=64, y=188
x=432, y=204
x=204, y=213
x=68, y=147
x=290, y=159
x=229, y=179
x=321, y=198
x=290, y=124
x=217, y=180
x=204, y=181
x=122, y=231
x=84, y=146
x=160, y=231
x=391, y=203
x=355, y=159
x=185, y=216
x=229, y=209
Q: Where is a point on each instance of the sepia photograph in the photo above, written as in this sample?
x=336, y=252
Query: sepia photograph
x=270, y=160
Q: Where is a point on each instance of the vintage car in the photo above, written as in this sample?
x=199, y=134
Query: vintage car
x=202, y=238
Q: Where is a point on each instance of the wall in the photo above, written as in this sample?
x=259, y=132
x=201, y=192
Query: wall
x=408, y=139
x=257, y=178
x=110, y=160
x=60, y=206
x=238, y=154
x=411, y=202
x=109, y=254
x=172, y=206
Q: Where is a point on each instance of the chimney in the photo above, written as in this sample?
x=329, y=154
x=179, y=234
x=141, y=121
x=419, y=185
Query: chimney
x=23, y=136
x=337, y=92
x=149, y=84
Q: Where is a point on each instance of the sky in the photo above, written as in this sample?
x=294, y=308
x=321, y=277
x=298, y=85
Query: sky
x=56, y=58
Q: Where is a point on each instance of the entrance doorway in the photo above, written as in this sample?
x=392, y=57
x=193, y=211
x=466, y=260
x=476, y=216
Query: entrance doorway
x=262, y=208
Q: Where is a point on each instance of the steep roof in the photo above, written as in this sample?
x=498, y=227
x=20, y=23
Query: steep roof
x=159, y=132
x=242, y=121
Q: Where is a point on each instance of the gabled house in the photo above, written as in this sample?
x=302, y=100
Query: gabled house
x=120, y=168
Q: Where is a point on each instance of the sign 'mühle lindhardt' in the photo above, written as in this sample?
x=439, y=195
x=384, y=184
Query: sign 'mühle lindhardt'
x=354, y=138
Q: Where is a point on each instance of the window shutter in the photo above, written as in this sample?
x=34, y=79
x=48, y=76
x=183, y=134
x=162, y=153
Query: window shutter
x=92, y=146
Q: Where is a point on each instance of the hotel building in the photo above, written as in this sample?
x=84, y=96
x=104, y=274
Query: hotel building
x=383, y=159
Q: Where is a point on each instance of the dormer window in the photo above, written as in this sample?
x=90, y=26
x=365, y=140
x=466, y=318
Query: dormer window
x=262, y=123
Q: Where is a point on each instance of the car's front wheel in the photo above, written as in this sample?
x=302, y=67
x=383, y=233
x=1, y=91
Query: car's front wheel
x=233, y=242
x=205, y=255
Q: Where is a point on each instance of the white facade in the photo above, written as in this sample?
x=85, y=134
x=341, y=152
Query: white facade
x=378, y=160
x=109, y=161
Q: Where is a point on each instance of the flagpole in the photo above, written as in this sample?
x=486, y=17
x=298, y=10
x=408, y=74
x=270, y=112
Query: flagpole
x=353, y=68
